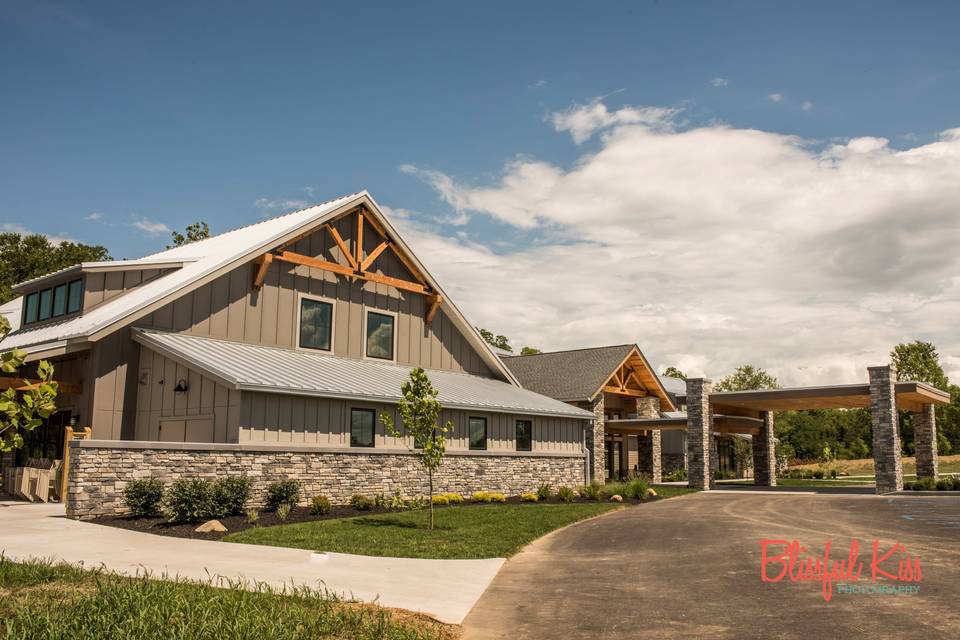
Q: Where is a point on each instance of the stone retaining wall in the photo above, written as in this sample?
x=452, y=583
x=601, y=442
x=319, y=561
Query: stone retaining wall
x=99, y=471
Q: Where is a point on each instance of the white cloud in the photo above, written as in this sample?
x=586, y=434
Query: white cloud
x=55, y=238
x=96, y=216
x=775, y=97
x=539, y=84
x=714, y=246
x=806, y=105
x=267, y=205
x=582, y=121
x=150, y=227
x=719, y=82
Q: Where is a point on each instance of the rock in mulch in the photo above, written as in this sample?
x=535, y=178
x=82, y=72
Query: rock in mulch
x=651, y=493
x=616, y=498
x=211, y=526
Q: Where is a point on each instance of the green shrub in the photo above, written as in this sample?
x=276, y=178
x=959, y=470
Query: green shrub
x=283, y=511
x=955, y=480
x=188, y=501
x=529, y=497
x=253, y=516
x=320, y=505
x=677, y=476
x=544, y=491
x=143, y=497
x=380, y=501
x=592, y=491
x=441, y=499
x=927, y=484
x=283, y=492
x=818, y=474
x=913, y=486
x=361, y=502
x=566, y=494
x=397, y=502
x=229, y=495
x=944, y=484
x=636, y=489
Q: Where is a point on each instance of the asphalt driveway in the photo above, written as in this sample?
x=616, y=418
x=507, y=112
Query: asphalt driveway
x=690, y=568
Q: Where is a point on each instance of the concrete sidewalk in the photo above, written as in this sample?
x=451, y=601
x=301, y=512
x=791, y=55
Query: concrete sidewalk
x=443, y=589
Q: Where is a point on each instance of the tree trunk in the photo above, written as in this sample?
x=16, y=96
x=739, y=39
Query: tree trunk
x=430, y=476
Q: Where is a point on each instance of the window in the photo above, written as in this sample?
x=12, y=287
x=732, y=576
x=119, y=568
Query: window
x=74, y=296
x=46, y=306
x=59, y=300
x=380, y=335
x=30, y=308
x=524, y=435
x=478, y=433
x=316, y=324
x=362, y=423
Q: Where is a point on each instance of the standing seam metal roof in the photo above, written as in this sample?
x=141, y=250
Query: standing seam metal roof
x=253, y=367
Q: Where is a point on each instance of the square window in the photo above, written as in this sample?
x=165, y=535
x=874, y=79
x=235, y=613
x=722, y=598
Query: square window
x=46, y=304
x=74, y=296
x=524, y=435
x=30, y=308
x=59, y=300
x=316, y=324
x=362, y=423
x=478, y=433
x=380, y=335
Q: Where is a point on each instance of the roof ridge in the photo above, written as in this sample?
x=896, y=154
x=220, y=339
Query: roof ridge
x=548, y=353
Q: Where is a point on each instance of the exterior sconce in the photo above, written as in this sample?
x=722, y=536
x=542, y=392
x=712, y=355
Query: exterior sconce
x=181, y=387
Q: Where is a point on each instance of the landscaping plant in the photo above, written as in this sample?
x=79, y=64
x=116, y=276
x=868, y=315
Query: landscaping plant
x=143, y=497
x=23, y=411
x=566, y=494
x=283, y=492
x=419, y=411
x=229, y=495
x=361, y=502
x=529, y=496
x=320, y=505
x=188, y=501
x=592, y=491
x=544, y=491
x=283, y=511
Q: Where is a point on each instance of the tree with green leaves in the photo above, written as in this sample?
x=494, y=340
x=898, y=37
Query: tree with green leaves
x=419, y=411
x=529, y=351
x=500, y=342
x=31, y=256
x=673, y=372
x=24, y=410
x=196, y=231
x=747, y=378
x=919, y=361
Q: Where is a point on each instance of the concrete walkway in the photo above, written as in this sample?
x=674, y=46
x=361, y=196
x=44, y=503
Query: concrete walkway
x=443, y=589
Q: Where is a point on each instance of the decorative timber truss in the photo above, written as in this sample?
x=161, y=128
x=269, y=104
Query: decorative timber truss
x=626, y=379
x=359, y=266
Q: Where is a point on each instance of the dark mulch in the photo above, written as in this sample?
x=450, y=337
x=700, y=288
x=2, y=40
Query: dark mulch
x=159, y=526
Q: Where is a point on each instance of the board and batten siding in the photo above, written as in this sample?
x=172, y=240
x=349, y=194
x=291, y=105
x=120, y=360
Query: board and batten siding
x=104, y=286
x=282, y=418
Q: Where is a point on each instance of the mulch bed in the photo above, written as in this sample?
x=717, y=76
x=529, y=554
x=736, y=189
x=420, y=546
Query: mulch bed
x=159, y=526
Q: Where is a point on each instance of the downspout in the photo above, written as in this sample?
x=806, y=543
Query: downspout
x=586, y=452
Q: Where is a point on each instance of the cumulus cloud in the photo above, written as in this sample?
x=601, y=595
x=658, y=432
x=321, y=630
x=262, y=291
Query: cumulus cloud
x=53, y=238
x=775, y=97
x=712, y=246
x=719, y=82
x=96, y=216
x=150, y=227
x=267, y=205
x=582, y=121
x=806, y=105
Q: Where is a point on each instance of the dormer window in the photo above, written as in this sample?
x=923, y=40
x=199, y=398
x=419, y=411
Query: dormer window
x=53, y=302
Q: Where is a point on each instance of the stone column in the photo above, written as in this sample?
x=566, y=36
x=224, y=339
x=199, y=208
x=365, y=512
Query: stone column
x=925, y=440
x=765, y=454
x=650, y=447
x=886, y=432
x=699, y=433
x=595, y=444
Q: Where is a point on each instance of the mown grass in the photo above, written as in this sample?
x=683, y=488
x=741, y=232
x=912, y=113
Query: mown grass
x=42, y=600
x=486, y=531
x=670, y=491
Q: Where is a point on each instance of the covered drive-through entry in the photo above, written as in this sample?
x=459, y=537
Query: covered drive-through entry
x=752, y=412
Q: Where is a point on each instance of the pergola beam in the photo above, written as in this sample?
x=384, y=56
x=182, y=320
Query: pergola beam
x=261, y=274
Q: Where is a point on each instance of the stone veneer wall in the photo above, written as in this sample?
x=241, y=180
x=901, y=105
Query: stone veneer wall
x=886, y=429
x=674, y=462
x=100, y=470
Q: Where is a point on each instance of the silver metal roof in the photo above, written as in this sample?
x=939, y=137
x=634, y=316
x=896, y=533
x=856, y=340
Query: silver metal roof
x=251, y=367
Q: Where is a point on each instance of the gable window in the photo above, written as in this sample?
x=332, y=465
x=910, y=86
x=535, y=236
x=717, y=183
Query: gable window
x=362, y=424
x=316, y=324
x=380, y=334
x=524, y=435
x=74, y=296
x=46, y=304
x=478, y=434
x=30, y=308
x=54, y=302
x=59, y=300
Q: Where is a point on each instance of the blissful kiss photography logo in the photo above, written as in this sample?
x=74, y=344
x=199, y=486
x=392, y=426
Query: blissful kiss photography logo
x=789, y=560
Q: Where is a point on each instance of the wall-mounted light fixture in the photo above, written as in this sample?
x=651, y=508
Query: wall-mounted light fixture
x=181, y=387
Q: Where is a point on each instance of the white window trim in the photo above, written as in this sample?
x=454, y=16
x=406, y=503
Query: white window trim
x=333, y=322
x=396, y=330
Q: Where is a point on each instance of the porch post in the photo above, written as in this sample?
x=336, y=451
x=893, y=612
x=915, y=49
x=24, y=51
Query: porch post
x=699, y=433
x=886, y=432
x=764, y=454
x=650, y=449
x=598, y=455
x=925, y=440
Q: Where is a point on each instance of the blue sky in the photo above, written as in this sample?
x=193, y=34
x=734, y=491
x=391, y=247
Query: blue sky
x=157, y=114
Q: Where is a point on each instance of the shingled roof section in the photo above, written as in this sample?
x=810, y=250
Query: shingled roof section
x=571, y=376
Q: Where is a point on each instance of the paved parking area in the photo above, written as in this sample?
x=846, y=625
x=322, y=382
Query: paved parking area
x=690, y=568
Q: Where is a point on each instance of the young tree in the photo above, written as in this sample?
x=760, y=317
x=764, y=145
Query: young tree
x=419, y=410
x=196, y=231
x=26, y=257
x=22, y=411
x=747, y=378
x=673, y=372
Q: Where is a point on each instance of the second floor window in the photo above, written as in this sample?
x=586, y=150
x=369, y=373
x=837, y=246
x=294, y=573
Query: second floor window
x=54, y=302
x=316, y=324
x=380, y=329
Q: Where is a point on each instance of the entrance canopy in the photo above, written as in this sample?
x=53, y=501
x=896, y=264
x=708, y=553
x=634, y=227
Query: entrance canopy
x=911, y=396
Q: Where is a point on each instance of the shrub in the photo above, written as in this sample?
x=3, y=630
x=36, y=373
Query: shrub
x=441, y=499
x=818, y=474
x=380, y=501
x=944, y=484
x=927, y=484
x=143, y=496
x=912, y=486
x=229, y=495
x=566, y=494
x=417, y=503
x=592, y=491
x=544, y=491
x=955, y=480
x=454, y=498
x=529, y=497
x=681, y=474
x=283, y=511
x=361, y=502
x=488, y=496
x=188, y=501
x=253, y=516
x=320, y=505
x=397, y=502
x=636, y=489
x=283, y=492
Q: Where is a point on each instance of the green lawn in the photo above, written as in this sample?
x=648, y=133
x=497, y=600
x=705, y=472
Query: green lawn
x=670, y=491
x=486, y=531
x=40, y=600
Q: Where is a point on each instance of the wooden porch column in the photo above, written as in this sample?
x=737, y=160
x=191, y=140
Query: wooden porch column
x=886, y=432
x=699, y=433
